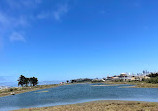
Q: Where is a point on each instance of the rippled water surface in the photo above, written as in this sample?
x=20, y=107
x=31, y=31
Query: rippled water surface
x=77, y=93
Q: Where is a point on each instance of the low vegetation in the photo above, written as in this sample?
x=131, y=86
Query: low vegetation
x=81, y=80
x=153, y=78
x=18, y=90
x=101, y=106
x=138, y=84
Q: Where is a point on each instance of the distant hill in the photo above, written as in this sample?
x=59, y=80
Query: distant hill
x=48, y=82
x=9, y=84
x=15, y=83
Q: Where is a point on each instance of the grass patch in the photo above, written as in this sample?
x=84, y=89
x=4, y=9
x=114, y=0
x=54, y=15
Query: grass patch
x=18, y=90
x=41, y=92
x=139, y=84
x=110, y=105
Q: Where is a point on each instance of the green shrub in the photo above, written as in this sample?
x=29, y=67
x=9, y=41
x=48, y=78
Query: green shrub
x=153, y=80
x=11, y=89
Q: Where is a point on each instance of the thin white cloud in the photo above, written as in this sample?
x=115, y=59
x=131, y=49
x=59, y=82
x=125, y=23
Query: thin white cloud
x=3, y=19
x=12, y=23
x=61, y=10
x=23, y=3
x=9, y=22
x=38, y=1
x=43, y=15
x=22, y=21
x=57, y=13
x=15, y=36
x=105, y=12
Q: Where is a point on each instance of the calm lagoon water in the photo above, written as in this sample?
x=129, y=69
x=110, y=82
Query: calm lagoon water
x=77, y=93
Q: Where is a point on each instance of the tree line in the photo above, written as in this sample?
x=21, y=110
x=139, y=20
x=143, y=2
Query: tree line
x=24, y=81
x=80, y=80
x=153, y=78
x=153, y=74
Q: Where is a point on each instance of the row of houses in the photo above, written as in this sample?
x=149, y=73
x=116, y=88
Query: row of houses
x=127, y=77
x=121, y=77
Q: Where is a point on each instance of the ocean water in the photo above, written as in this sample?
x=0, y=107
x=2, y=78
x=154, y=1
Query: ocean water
x=77, y=93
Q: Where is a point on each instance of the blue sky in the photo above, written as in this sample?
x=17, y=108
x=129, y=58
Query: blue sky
x=66, y=39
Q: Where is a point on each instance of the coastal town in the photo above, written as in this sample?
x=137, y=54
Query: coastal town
x=129, y=77
x=118, y=78
x=142, y=80
x=123, y=77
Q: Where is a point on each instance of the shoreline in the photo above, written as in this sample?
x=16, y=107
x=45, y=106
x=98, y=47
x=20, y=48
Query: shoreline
x=19, y=90
x=108, y=105
x=100, y=105
x=137, y=84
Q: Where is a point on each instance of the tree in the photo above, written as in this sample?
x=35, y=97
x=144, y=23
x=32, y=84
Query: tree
x=67, y=81
x=24, y=81
x=153, y=75
x=72, y=81
x=31, y=81
x=34, y=81
x=21, y=80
